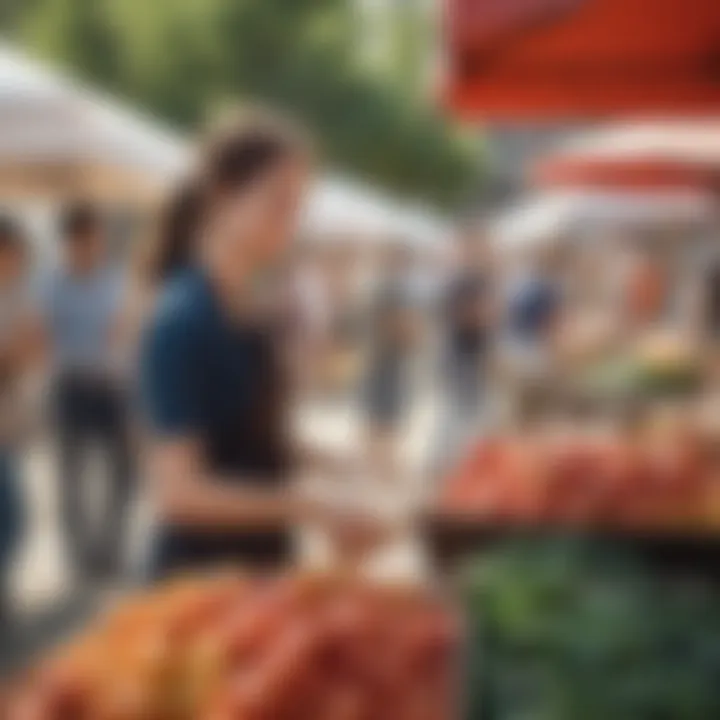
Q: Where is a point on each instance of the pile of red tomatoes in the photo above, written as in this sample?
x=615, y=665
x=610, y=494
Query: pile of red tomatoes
x=233, y=648
x=653, y=482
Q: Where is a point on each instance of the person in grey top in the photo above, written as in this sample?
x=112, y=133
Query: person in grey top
x=82, y=306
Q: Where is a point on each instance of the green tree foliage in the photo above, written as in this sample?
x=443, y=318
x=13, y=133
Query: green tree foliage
x=570, y=630
x=182, y=58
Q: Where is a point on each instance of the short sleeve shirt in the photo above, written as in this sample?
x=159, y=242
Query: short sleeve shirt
x=204, y=376
x=533, y=308
x=80, y=313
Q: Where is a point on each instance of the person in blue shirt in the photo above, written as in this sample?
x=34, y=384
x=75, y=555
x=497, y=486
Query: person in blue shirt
x=534, y=303
x=534, y=320
x=213, y=380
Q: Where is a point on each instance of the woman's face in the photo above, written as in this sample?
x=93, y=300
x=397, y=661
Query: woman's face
x=254, y=226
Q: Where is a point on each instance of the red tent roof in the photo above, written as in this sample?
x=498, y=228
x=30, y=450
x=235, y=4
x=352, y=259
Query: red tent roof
x=640, y=174
x=666, y=156
x=535, y=59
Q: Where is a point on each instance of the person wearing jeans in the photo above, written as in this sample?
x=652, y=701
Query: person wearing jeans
x=91, y=411
x=11, y=523
x=83, y=302
x=467, y=316
x=17, y=332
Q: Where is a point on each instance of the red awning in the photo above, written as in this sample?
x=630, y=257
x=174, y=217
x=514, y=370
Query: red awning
x=639, y=174
x=679, y=157
x=552, y=59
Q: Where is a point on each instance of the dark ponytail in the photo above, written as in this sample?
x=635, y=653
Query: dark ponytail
x=235, y=153
x=176, y=236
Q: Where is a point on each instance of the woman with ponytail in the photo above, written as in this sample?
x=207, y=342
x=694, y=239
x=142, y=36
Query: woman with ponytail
x=212, y=375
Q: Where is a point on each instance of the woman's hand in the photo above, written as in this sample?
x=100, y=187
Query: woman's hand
x=355, y=536
x=348, y=520
x=331, y=464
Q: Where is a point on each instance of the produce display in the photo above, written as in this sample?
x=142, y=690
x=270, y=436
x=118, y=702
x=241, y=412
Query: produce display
x=658, y=481
x=658, y=366
x=569, y=629
x=234, y=648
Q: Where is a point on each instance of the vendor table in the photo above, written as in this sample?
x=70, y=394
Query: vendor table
x=452, y=542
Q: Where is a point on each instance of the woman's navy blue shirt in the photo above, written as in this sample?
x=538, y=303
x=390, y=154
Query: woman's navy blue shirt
x=208, y=378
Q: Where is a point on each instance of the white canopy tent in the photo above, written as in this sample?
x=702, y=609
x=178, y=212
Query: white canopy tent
x=56, y=135
x=53, y=125
x=338, y=207
x=427, y=228
x=341, y=210
x=554, y=215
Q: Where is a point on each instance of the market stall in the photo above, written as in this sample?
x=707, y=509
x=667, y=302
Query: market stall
x=597, y=457
x=570, y=624
x=666, y=158
x=629, y=331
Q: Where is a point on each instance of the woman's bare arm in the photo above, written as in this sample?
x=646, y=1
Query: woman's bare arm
x=186, y=493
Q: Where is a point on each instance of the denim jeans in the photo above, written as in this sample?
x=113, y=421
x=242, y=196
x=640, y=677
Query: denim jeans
x=11, y=513
x=92, y=412
x=463, y=412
